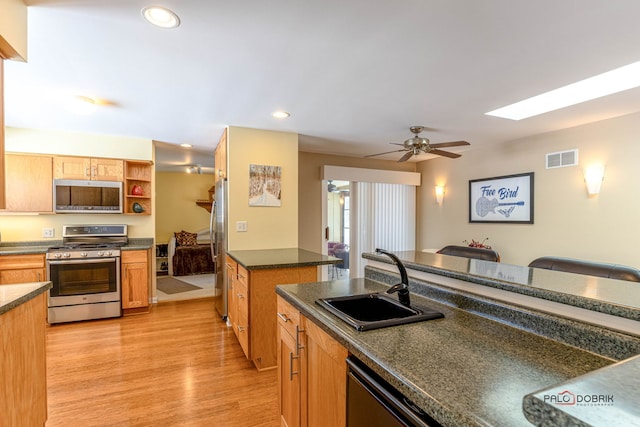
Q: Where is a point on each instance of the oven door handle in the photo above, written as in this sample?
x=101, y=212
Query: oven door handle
x=83, y=261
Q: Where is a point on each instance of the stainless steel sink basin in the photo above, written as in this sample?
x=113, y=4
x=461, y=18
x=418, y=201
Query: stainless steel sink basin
x=372, y=311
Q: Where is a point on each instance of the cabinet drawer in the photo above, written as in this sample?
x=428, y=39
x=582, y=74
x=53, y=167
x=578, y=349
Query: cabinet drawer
x=243, y=275
x=134, y=256
x=242, y=331
x=242, y=297
x=18, y=262
x=231, y=265
x=288, y=316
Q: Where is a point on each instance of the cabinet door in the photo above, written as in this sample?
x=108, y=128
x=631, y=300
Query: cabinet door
x=135, y=290
x=107, y=169
x=242, y=307
x=288, y=379
x=29, y=183
x=71, y=167
x=325, y=393
x=22, y=269
x=232, y=306
x=11, y=277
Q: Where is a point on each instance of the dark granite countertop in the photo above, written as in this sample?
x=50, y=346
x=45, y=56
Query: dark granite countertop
x=610, y=296
x=261, y=259
x=464, y=370
x=41, y=247
x=11, y=296
x=604, y=397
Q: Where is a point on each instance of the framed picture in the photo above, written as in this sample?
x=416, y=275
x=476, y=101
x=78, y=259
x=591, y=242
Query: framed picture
x=265, y=184
x=506, y=198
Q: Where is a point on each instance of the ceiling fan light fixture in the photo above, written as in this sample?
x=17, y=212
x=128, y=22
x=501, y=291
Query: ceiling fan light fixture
x=161, y=17
x=185, y=145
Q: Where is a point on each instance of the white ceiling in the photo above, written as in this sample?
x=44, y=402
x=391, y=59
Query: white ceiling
x=355, y=74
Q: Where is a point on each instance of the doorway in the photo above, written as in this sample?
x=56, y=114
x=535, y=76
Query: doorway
x=338, y=229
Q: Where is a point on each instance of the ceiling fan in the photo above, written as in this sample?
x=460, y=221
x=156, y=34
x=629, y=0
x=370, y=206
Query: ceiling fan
x=417, y=145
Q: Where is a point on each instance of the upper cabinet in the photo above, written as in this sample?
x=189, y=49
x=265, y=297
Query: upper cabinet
x=88, y=168
x=13, y=30
x=28, y=183
x=220, y=159
x=137, y=187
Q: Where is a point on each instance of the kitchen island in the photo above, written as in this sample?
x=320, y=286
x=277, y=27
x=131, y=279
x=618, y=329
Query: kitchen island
x=475, y=366
x=252, y=276
x=23, y=394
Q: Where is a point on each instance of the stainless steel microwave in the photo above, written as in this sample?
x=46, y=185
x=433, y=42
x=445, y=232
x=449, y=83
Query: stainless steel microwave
x=79, y=196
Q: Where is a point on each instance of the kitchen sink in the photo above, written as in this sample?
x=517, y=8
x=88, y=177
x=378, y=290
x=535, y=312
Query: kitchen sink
x=372, y=311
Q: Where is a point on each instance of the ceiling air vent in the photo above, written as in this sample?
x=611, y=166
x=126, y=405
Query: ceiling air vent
x=562, y=159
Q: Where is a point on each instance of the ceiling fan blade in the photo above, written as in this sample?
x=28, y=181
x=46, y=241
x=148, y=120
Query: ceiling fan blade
x=450, y=144
x=397, y=143
x=406, y=157
x=388, y=152
x=445, y=154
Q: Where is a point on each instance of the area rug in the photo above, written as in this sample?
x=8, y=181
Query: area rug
x=171, y=285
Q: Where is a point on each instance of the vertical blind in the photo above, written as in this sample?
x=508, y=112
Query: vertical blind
x=382, y=216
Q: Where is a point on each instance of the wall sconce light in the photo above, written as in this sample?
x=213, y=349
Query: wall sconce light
x=439, y=194
x=593, y=177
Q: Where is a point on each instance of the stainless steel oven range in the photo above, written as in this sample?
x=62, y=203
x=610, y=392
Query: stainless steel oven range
x=85, y=273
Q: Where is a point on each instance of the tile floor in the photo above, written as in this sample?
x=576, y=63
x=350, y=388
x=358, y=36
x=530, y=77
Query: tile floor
x=205, y=281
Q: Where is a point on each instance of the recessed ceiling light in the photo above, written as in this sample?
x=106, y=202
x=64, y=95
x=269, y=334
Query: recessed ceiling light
x=186, y=145
x=161, y=17
x=280, y=114
x=614, y=81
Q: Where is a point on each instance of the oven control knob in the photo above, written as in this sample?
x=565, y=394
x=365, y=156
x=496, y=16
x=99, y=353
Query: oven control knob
x=58, y=255
x=66, y=255
x=83, y=254
x=100, y=253
x=109, y=253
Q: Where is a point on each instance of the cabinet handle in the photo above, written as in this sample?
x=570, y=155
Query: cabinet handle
x=38, y=277
x=284, y=317
x=241, y=328
x=240, y=276
x=94, y=172
x=240, y=296
x=291, y=372
x=298, y=346
x=228, y=265
x=86, y=173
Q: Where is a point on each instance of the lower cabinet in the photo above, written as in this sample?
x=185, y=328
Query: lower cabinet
x=135, y=279
x=252, y=304
x=312, y=372
x=22, y=269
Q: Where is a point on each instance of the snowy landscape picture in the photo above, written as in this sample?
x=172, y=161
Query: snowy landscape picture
x=264, y=185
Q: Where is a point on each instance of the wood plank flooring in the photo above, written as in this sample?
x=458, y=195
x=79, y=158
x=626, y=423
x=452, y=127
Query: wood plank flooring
x=177, y=366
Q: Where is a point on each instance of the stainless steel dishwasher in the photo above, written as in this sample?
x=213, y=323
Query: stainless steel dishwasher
x=372, y=402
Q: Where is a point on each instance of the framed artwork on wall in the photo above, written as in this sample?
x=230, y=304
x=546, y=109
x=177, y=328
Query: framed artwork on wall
x=265, y=184
x=506, y=198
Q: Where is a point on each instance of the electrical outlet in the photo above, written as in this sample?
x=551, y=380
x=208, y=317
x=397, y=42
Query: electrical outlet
x=241, y=225
x=48, y=232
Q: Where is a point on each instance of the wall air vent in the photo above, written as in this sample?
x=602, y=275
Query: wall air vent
x=562, y=159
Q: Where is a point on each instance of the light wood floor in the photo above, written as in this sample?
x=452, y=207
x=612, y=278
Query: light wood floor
x=177, y=366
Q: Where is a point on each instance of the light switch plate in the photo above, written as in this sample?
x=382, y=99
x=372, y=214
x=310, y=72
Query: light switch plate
x=241, y=225
x=48, y=232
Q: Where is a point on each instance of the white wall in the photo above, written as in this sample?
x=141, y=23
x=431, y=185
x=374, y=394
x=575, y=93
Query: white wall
x=566, y=221
x=268, y=227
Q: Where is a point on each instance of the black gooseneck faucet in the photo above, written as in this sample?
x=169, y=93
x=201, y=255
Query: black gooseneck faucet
x=401, y=288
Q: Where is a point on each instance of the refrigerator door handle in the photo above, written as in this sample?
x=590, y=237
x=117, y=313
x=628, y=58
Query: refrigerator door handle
x=212, y=236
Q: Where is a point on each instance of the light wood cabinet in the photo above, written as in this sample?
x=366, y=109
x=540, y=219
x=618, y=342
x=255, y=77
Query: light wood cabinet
x=3, y=200
x=135, y=279
x=23, y=395
x=22, y=269
x=220, y=158
x=312, y=372
x=138, y=175
x=29, y=183
x=84, y=168
x=252, y=307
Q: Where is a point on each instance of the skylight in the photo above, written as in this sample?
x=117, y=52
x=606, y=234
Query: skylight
x=614, y=81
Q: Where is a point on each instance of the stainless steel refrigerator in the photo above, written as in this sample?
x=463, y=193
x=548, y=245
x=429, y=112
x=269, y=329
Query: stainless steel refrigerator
x=217, y=233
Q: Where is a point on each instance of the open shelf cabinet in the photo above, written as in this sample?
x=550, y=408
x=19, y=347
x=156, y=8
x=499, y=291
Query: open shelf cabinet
x=138, y=173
